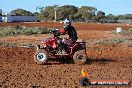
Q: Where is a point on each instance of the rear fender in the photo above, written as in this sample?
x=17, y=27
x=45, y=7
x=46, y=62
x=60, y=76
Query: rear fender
x=78, y=46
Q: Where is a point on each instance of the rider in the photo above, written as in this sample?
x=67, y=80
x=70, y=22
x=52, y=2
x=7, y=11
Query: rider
x=70, y=30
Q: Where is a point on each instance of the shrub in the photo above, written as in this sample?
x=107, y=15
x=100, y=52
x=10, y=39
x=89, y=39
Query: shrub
x=43, y=30
x=110, y=41
x=128, y=43
x=18, y=30
x=29, y=32
x=18, y=27
x=6, y=44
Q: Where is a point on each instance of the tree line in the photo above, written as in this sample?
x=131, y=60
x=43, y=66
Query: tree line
x=82, y=14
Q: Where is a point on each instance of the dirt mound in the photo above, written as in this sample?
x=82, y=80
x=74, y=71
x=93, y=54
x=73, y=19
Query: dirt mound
x=18, y=69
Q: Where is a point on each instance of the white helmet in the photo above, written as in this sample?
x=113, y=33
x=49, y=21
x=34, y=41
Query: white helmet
x=67, y=22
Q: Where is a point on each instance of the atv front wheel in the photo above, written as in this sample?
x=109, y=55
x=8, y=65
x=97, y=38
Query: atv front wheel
x=80, y=57
x=41, y=57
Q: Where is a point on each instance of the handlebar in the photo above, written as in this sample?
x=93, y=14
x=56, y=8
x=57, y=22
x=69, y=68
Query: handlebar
x=55, y=32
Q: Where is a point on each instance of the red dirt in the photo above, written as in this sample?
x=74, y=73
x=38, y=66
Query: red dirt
x=82, y=26
x=18, y=69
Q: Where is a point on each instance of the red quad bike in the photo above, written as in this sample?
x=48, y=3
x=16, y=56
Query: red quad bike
x=56, y=47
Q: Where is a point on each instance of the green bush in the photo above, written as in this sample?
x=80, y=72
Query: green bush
x=18, y=30
x=128, y=43
x=129, y=32
x=110, y=41
x=29, y=32
x=18, y=27
x=43, y=30
x=8, y=44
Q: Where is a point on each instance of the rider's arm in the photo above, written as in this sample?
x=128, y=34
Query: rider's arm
x=63, y=31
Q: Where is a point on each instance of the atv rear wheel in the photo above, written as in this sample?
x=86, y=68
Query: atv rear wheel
x=80, y=57
x=41, y=57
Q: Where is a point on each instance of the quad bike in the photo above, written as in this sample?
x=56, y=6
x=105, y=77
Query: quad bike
x=56, y=47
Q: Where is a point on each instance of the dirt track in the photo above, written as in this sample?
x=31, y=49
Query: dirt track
x=18, y=69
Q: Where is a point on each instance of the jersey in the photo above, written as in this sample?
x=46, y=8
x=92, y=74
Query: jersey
x=71, y=32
